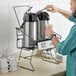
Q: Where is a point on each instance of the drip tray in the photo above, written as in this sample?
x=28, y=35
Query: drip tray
x=60, y=74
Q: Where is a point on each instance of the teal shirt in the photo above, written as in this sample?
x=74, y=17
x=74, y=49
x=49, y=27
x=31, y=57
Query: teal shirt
x=68, y=47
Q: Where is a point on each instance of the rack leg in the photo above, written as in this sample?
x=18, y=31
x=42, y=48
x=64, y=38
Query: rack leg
x=48, y=60
x=32, y=68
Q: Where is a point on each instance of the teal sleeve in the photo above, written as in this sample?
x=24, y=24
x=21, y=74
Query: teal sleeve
x=72, y=18
x=68, y=45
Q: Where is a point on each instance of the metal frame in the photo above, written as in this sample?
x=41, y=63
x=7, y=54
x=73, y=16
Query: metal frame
x=27, y=57
x=46, y=59
x=24, y=48
x=19, y=7
x=42, y=56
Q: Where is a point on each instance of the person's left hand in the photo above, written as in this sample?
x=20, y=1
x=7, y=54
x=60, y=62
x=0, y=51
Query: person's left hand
x=48, y=30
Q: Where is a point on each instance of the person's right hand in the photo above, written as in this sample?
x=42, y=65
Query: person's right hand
x=52, y=8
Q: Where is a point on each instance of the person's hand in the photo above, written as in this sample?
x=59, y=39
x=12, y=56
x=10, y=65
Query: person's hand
x=51, y=8
x=48, y=30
